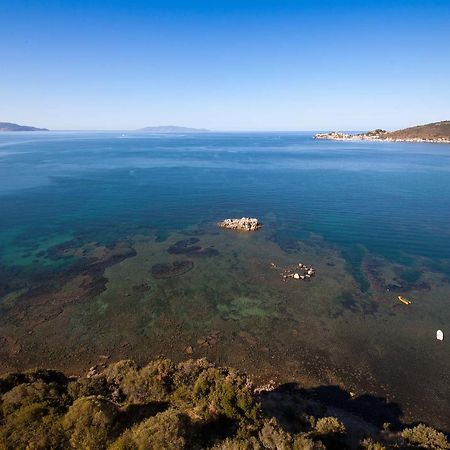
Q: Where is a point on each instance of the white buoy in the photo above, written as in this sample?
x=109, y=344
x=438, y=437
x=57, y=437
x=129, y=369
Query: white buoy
x=439, y=335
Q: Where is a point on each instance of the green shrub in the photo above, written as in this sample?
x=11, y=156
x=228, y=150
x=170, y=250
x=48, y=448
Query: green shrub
x=86, y=387
x=45, y=375
x=184, y=379
x=303, y=442
x=11, y=380
x=152, y=383
x=370, y=444
x=330, y=425
x=115, y=373
x=219, y=392
x=32, y=427
x=90, y=423
x=239, y=444
x=426, y=437
x=167, y=430
x=124, y=442
x=25, y=394
x=274, y=438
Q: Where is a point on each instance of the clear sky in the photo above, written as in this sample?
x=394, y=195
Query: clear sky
x=225, y=64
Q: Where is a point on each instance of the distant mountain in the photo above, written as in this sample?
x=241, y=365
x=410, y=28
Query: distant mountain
x=170, y=129
x=7, y=126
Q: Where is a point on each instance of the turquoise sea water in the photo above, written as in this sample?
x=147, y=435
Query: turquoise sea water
x=373, y=218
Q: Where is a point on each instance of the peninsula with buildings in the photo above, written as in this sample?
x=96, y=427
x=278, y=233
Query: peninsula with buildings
x=438, y=132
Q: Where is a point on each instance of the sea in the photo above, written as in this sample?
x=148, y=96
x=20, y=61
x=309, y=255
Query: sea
x=110, y=249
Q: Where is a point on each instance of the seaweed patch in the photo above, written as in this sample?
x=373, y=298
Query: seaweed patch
x=187, y=247
x=170, y=270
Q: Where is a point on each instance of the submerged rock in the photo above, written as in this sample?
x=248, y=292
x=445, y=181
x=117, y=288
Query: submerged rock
x=187, y=247
x=170, y=270
x=243, y=224
x=180, y=247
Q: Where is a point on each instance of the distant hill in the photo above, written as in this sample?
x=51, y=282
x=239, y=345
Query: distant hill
x=7, y=126
x=437, y=130
x=170, y=129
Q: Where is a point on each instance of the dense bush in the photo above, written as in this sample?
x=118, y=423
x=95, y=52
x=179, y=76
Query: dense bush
x=425, y=437
x=274, y=438
x=370, y=444
x=34, y=426
x=91, y=423
x=152, y=383
x=330, y=425
x=220, y=392
x=48, y=394
x=167, y=430
x=192, y=405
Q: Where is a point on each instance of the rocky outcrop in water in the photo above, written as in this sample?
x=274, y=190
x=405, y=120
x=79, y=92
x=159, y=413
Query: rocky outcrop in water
x=244, y=224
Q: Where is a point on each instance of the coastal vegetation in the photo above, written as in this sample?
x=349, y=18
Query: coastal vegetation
x=190, y=405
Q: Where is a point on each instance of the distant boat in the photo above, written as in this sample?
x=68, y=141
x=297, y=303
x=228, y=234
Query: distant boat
x=439, y=335
x=404, y=300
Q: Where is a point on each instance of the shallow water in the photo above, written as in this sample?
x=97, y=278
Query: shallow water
x=92, y=223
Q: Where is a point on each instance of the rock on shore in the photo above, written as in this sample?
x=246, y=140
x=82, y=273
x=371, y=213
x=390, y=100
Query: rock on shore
x=244, y=224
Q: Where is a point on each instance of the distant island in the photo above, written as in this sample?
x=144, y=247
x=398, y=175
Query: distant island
x=171, y=129
x=7, y=126
x=438, y=132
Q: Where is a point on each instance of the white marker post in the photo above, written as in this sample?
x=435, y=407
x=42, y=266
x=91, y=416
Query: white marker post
x=439, y=335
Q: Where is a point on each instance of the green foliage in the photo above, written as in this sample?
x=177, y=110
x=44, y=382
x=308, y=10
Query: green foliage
x=85, y=387
x=90, y=423
x=303, y=442
x=165, y=406
x=115, y=373
x=220, y=392
x=274, y=438
x=184, y=379
x=152, y=383
x=167, y=430
x=39, y=392
x=370, y=444
x=32, y=427
x=426, y=437
x=11, y=380
x=330, y=425
x=239, y=444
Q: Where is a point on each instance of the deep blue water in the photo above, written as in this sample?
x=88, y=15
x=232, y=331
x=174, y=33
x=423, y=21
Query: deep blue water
x=392, y=198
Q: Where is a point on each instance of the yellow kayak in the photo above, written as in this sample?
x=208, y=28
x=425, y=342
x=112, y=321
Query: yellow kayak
x=404, y=300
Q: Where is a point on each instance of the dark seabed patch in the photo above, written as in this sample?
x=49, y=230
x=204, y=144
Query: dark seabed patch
x=170, y=270
x=187, y=247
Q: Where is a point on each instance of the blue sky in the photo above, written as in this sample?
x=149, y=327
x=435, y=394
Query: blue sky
x=225, y=65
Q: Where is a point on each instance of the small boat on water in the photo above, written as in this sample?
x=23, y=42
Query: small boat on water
x=404, y=300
